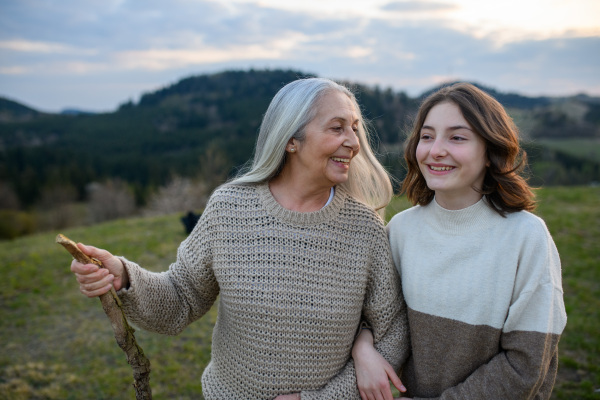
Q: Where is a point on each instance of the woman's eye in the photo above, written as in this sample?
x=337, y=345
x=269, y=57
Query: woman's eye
x=458, y=138
x=425, y=136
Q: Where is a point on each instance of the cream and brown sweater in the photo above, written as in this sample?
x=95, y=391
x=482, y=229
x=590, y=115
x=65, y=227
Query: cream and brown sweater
x=292, y=288
x=485, y=302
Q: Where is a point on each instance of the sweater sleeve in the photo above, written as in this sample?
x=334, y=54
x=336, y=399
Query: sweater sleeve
x=167, y=302
x=384, y=311
x=526, y=365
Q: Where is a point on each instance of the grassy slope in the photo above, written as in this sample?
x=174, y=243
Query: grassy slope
x=583, y=148
x=56, y=344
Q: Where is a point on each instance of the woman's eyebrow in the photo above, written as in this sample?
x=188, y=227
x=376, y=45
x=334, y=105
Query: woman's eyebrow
x=343, y=119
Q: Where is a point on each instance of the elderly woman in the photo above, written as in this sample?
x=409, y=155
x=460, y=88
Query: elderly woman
x=296, y=252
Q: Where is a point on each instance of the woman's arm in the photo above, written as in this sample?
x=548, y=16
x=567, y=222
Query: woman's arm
x=167, y=302
x=384, y=310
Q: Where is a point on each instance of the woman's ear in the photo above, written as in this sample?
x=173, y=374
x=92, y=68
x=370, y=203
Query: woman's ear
x=291, y=146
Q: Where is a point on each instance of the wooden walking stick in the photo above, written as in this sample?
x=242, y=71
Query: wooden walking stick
x=123, y=331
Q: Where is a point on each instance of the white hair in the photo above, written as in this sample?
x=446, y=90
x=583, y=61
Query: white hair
x=292, y=108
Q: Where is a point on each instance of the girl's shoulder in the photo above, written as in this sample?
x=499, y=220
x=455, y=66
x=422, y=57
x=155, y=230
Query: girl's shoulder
x=526, y=221
x=406, y=215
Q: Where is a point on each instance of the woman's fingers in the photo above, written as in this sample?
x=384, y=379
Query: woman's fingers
x=93, y=280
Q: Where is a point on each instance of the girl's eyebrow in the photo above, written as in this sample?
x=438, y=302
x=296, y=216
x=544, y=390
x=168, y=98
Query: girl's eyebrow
x=457, y=127
x=452, y=128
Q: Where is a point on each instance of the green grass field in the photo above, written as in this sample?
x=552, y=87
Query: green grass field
x=584, y=148
x=57, y=344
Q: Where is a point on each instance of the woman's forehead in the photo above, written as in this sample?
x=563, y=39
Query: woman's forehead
x=337, y=105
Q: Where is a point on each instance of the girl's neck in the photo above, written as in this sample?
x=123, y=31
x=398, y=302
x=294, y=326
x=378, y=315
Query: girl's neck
x=459, y=202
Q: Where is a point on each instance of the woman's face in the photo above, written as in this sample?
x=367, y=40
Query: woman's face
x=451, y=157
x=330, y=142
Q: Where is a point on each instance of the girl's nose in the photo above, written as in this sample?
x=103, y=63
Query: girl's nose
x=438, y=149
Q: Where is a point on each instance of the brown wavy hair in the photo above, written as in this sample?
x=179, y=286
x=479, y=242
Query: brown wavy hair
x=504, y=186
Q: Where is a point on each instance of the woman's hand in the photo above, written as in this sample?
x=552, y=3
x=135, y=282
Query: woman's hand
x=94, y=280
x=373, y=372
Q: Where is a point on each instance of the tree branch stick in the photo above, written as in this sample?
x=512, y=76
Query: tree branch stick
x=122, y=330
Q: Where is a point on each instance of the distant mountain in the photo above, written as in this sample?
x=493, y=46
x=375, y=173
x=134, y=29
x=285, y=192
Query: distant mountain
x=75, y=111
x=508, y=100
x=177, y=129
x=11, y=111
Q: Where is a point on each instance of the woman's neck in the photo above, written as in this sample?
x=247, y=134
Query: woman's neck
x=295, y=196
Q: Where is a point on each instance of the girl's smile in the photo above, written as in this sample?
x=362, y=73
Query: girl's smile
x=452, y=157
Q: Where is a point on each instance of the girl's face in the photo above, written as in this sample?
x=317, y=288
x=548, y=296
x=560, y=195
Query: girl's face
x=451, y=157
x=330, y=142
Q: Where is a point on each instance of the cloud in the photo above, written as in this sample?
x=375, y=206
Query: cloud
x=418, y=6
x=14, y=70
x=125, y=46
x=162, y=59
x=31, y=46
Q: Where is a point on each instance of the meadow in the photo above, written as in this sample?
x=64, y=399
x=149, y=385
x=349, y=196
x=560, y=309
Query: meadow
x=584, y=148
x=57, y=344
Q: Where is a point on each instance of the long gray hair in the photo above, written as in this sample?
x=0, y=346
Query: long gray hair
x=292, y=108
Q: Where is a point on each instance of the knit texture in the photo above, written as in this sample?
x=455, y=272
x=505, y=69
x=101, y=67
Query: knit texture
x=485, y=302
x=292, y=287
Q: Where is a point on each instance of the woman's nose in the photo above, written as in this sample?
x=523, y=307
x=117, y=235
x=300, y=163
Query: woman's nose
x=352, y=140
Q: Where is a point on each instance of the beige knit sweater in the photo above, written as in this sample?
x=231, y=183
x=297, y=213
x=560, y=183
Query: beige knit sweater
x=293, y=288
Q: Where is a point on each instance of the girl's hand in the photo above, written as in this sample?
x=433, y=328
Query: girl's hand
x=293, y=396
x=373, y=372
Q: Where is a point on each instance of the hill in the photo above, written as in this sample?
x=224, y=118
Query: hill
x=11, y=111
x=174, y=131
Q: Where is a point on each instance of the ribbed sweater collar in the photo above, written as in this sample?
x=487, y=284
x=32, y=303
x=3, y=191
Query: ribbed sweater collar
x=459, y=222
x=301, y=218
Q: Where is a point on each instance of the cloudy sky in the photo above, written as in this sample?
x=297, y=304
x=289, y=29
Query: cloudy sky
x=96, y=54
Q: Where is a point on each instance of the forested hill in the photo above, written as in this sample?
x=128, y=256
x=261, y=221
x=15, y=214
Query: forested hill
x=209, y=122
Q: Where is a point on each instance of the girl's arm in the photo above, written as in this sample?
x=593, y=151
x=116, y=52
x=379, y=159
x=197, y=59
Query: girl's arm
x=373, y=372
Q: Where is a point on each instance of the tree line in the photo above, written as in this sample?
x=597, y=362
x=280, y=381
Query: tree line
x=203, y=129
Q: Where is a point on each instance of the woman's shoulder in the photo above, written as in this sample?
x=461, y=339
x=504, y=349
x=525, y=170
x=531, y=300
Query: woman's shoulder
x=231, y=192
x=230, y=197
x=354, y=208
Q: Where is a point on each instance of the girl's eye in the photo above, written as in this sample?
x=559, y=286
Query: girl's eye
x=425, y=136
x=458, y=138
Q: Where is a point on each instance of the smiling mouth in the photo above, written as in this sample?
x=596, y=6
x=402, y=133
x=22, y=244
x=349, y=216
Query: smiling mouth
x=431, y=167
x=341, y=160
